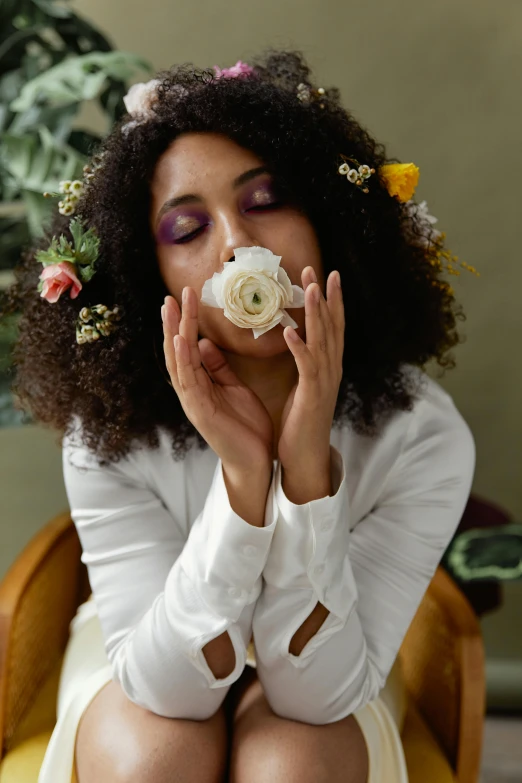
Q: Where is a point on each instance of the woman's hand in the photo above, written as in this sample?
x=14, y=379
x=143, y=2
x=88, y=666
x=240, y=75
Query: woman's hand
x=230, y=417
x=304, y=442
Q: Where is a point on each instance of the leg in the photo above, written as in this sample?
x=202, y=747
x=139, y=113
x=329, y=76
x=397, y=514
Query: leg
x=118, y=742
x=268, y=749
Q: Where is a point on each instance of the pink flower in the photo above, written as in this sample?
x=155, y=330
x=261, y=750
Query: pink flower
x=57, y=278
x=238, y=69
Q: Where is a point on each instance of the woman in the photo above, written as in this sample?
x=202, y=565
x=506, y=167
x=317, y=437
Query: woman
x=294, y=489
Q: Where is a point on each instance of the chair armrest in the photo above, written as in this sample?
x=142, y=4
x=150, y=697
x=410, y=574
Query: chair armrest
x=442, y=659
x=38, y=599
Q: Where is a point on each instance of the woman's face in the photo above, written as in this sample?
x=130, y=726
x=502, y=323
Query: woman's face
x=209, y=196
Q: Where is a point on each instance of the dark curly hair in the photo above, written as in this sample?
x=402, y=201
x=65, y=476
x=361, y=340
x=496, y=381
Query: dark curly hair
x=398, y=311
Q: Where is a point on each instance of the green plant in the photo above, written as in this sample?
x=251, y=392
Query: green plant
x=51, y=61
x=486, y=554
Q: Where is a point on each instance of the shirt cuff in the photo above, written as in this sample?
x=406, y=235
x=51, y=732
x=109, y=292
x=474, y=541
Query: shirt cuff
x=224, y=555
x=310, y=543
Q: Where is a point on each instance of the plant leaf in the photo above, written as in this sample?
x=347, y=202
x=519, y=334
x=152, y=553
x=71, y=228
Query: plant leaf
x=78, y=78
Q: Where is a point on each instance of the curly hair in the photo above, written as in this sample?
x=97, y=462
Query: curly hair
x=398, y=312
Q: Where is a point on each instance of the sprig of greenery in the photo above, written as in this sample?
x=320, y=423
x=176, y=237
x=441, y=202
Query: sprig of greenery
x=83, y=253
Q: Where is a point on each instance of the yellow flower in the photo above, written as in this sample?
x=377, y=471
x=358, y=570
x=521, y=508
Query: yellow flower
x=400, y=179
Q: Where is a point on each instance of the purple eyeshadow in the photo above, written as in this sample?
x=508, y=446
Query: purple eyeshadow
x=176, y=226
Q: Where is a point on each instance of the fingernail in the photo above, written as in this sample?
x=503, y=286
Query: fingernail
x=184, y=296
x=337, y=278
x=163, y=313
x=292, y=335
x=317, y=294
x=314, y=276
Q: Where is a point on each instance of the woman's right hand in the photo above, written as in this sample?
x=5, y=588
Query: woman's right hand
x=227, y=413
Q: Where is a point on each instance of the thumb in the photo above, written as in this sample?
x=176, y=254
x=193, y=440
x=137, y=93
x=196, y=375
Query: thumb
x=216, y=365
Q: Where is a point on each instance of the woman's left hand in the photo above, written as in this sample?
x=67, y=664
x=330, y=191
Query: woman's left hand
x=306, y=422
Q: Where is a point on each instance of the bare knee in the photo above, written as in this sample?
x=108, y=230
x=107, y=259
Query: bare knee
x=118, y=742
x=268, y=747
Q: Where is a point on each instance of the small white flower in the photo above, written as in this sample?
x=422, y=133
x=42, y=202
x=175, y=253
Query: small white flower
x=344, y=168
x=76, y=187
x=65, y=186
x=353, y=175
x=365, y=171
x=85, y=314
x=253, y=291
x=423, y=220
x=67, y=209
x=140, y=96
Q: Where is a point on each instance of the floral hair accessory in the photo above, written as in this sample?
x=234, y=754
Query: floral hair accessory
x=307, y=94
x=358, y=175
x=253, y=291
x=239, y=69
x=67, y=266
x=95, y=322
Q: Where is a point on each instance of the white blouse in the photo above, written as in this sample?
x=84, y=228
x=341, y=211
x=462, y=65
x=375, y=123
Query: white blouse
x=172, y=566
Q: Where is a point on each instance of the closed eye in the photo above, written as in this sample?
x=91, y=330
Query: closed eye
x=257, y=208
x=260, y=207
x=190, y=236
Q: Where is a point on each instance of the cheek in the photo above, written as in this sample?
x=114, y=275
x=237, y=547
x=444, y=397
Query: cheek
x=182, y=271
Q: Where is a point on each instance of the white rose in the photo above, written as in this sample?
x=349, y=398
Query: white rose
x=139, y=97
x=253, y=291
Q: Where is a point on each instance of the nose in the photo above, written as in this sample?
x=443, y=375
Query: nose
x=233, y=233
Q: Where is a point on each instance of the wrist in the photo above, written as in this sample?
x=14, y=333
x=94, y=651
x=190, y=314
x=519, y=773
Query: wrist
x=248, y=492
x=309, y=482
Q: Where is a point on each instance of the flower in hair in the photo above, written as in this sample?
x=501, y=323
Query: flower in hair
x=400, y=179
x=66, y=265
x=140, y=96
x=239, y=69
x=72, y=189
x=95, y=322
x=253, y=291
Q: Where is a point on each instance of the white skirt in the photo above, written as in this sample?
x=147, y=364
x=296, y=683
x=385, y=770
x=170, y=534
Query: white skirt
x=86, y=669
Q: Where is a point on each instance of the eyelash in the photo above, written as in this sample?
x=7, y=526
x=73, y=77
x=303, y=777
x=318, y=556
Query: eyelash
x=193, y=234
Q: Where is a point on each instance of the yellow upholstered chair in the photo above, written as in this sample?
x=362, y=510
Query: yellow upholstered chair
x=442, y=661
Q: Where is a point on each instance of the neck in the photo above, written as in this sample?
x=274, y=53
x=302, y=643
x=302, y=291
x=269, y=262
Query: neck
x=271, y=379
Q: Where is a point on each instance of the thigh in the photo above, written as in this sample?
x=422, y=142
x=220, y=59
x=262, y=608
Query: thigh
x=118, y=741
x=266, y=747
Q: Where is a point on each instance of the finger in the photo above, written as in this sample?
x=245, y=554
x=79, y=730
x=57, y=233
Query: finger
x=336, y=307
x=306, y=365
x=216, y=365
x=186, y=373
x=188, y=327
x=308, y=276
x=316, y=338
x=170, y=329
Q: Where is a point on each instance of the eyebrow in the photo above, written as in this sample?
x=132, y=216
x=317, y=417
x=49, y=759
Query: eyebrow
x=191, y=197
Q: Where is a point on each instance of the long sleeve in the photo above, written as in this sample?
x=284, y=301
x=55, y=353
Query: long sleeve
x=160, y=595
x=371, y=578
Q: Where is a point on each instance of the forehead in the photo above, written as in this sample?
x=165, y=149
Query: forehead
x=197, y=158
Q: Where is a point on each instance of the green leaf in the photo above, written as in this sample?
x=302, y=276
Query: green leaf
x=86, y=273
x=39, y=164
x=52, y=9
x=484, y=554
x=78, y=78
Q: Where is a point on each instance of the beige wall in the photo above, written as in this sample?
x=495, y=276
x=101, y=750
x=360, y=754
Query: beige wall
x=436, y=83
